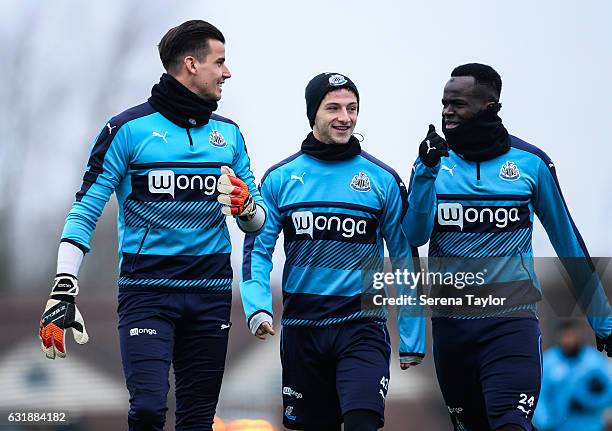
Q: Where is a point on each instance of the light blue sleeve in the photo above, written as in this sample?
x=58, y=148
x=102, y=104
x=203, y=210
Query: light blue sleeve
x=410, y=320
x=552, y=211
x=559, y=398
x=107, y=166
x=594, y=369
x=419, y=221
x=257, y=260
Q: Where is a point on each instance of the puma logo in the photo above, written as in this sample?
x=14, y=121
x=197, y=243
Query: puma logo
x=450, y=170
x=300, y=178
x=521, y=408
x=429, y=147
x=159, y=135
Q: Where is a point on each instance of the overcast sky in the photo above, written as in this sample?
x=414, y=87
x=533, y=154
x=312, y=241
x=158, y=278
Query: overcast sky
x=554, y=61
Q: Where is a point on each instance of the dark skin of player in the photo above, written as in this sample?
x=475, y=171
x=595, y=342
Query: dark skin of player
x=462, y=99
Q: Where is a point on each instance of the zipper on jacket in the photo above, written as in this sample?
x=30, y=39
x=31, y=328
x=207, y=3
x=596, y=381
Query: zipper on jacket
x=190, y=140
x=478, y=171
x=140, y=247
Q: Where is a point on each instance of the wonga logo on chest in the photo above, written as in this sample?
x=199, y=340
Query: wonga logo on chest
x=306, y=223
x=499, y=217
x=166, y=181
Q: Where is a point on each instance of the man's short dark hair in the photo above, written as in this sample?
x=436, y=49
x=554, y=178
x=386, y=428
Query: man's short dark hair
x=191, y=37
x=486, y=77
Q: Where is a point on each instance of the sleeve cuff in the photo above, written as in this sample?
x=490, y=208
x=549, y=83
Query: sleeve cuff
x=432, y=171
x=69, y=258
x=83, y=248
x=254, y=224
x=257, y=319
x=407, y=358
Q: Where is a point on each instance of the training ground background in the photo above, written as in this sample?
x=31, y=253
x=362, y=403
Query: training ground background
x=68, y=66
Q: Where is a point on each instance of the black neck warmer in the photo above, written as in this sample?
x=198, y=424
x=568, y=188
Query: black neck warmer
x=482, y=137
x=179, y=104
x=315, y=148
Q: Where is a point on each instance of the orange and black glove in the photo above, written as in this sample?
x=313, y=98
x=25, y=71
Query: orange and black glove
x=61, y=314
x=234, y=195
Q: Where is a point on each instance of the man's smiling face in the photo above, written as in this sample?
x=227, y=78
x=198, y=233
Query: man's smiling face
x=461, y=101
x=336, y=117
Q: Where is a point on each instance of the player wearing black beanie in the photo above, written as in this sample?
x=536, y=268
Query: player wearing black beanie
x=322, y=84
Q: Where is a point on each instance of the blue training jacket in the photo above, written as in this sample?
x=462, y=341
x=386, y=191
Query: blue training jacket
x=333, y=214
x=172, y=234
x=575, y=391
x=486, y=209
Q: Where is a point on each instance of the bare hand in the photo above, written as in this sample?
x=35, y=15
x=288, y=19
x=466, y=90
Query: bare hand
x=405, y=366
x=264, y=328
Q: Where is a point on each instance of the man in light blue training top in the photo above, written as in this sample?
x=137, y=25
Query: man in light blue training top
x=335, y=205
x=171, y=163
x=475, y=200
x=576, y=384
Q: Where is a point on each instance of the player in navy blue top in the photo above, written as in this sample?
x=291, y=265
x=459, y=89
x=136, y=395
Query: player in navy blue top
x=474, y=196
x=177, y=170
x=335, y=205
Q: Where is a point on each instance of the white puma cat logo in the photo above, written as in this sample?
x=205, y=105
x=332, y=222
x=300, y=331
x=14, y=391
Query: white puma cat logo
x=300, y=178
x=159, y=135
x=446, y=168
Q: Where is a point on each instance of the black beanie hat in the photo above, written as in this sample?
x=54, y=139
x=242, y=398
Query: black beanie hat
x=322, y=84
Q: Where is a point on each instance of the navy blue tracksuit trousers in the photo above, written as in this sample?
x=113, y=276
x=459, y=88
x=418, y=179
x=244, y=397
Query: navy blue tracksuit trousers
x=489, y=370
x=188, y=330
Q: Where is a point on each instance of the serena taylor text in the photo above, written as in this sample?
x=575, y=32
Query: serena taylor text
x=469, y=300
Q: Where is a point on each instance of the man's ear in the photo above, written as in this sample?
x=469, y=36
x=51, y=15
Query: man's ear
x=494, y=106
x=190, y=64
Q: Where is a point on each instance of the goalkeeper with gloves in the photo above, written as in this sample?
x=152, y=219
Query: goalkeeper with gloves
x=168, y=161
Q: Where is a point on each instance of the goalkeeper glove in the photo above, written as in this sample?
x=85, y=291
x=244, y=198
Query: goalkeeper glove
x=433, y=148
x=60, y=314
x=234, y=195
